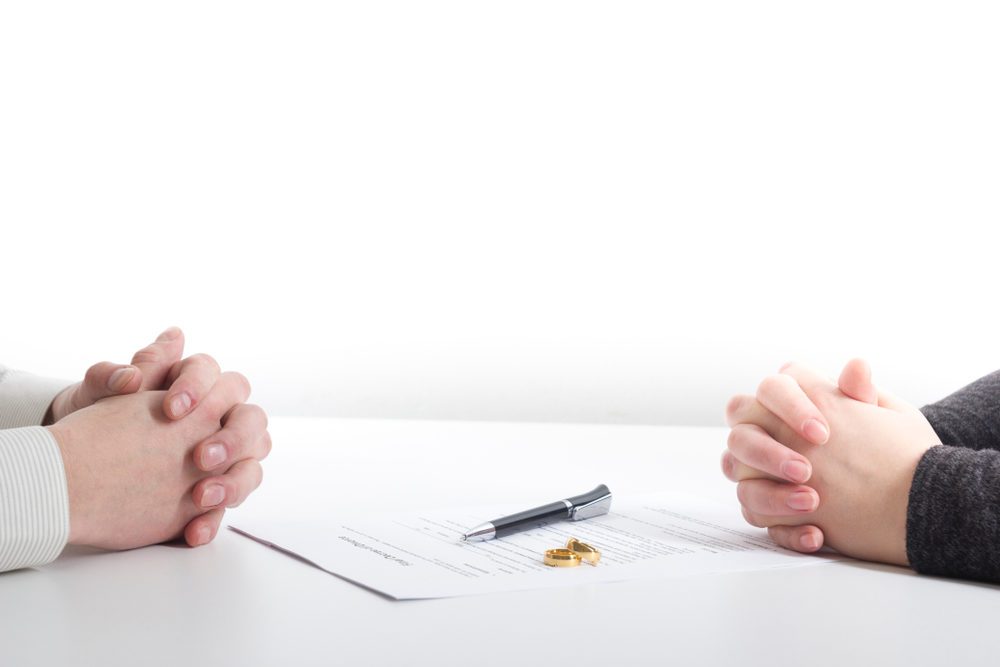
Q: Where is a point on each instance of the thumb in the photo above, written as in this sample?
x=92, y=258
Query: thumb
x=856, y=382
x=107, y=379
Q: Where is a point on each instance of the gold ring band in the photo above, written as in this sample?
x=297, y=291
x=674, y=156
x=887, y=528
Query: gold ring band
x=561, y=558
x=584, y=551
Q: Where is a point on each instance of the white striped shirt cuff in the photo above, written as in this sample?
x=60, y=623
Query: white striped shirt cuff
x=34, y=503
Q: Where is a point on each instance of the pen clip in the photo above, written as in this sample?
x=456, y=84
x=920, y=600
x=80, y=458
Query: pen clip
x=595, y=503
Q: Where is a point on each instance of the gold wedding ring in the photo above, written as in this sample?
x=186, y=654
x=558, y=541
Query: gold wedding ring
x=584, y=551
x=561, y=558
x=574, y=553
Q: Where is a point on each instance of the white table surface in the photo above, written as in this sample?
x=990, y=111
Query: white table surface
x=236, y=602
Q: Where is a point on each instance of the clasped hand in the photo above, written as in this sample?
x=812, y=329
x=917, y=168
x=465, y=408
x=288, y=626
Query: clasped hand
x=819, y=461
x=157, y=449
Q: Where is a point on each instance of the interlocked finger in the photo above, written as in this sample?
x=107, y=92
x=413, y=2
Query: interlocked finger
x=782, y=396
x=754, y=451
x=243, y=435
x=805, y=539
x=188, y=381
x=230, y=489
x=229, y=390
x=776, y=503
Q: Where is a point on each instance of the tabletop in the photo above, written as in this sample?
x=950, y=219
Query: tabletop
x=239, y=602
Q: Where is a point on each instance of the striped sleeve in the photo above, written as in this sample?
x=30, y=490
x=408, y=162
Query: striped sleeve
x=25, y=398
x=34, y=504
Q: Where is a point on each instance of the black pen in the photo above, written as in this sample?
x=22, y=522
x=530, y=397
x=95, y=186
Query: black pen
x=576, y=508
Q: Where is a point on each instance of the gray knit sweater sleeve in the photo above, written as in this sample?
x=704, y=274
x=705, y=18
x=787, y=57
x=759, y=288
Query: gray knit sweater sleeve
x=953, y=516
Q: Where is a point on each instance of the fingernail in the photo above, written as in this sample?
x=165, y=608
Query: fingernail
x=796, y=471
x=802, y=501
x=213, y=495
x=809, y=542
x=120, y=378
x=168, y=335
x=213, y=457
x=816, y=431
x=180, y=404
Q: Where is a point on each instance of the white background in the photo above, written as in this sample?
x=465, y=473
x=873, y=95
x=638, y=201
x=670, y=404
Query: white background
x=583, y=211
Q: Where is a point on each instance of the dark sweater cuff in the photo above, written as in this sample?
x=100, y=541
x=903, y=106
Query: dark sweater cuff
x=969, y=417
x=953, y=515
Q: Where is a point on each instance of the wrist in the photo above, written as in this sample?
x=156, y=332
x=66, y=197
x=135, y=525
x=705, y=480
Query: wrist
x=77, y=524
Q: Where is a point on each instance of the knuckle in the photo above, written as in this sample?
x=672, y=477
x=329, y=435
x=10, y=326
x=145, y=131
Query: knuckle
x=249, y=477
x=255, y=414
x=728, y=465
x=779, y=534
x=148, y=355
x=248, y=422
x=213, y=405
x=266, y=445
x=237, y=382
x=755, y=432
x=771, y=384
x=231, y=489
x=742, y=437
x=743, y=494
x=733, y=439
x=243, y=382
x=202, y=358
x=736, y=406
x=204, y=361
x=753, y=519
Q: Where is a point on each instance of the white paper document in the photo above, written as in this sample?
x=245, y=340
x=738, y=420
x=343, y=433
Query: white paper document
x=420, y=555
